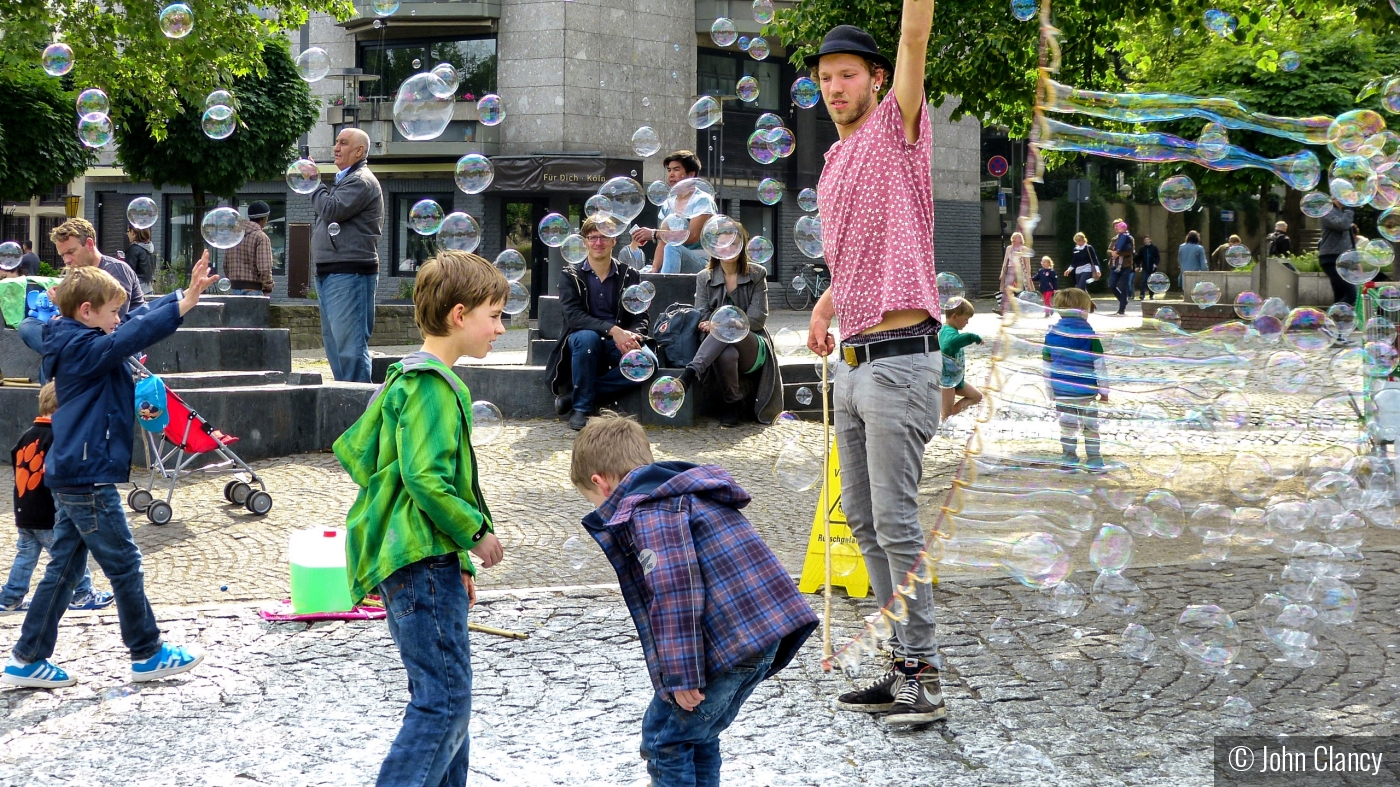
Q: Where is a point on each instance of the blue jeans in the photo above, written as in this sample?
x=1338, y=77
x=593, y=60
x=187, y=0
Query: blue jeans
x=31, y=332
x=90, y=522
x=249, y=292
x=595, y=359
x=1147, y=271
x=679, y=259
x=347, y=320
x=1121, y=283
x=427, y=608
x=31, y=543
x=886, y=411
x=681, y=747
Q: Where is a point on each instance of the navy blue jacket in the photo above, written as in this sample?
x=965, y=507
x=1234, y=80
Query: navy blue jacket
x=92, y=429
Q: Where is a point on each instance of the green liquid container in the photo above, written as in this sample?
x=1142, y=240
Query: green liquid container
x=319, y=580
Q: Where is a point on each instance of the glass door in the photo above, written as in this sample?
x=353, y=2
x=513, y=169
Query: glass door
x=521, y=217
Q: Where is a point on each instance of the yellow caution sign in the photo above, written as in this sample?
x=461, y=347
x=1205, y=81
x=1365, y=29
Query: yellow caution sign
x=847, y=565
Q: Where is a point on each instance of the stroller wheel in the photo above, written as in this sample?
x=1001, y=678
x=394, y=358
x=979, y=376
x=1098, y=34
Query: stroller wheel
x=139, y=499
x=238, y=493
x=228, y=489
x=159, y=512
x=259, y=503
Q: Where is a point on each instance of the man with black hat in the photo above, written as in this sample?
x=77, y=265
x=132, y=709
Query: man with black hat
x=248, y=265
x=875, y=197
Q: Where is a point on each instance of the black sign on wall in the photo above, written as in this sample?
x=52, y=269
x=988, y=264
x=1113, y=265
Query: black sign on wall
x=560, y=174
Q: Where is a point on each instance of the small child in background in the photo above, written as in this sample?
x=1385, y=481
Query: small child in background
x=1046, y=280
x=1074, y=375
x=952, y=340
x=716, y=612
x=34, y=514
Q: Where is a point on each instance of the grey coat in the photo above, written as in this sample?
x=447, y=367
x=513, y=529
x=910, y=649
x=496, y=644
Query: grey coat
x=752, y=297
x=356, y=203
x=1336, y=232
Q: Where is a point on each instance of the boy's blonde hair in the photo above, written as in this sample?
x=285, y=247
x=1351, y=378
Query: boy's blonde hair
x=86, y=285
x=450, y=278
x=609, y=445
x=48, y=399
x=960, y=307
x=79, y=228
x=1072, y=298
x=1046, y=262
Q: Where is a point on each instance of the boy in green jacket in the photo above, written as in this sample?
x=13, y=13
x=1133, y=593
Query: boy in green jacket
x=419, y=513
x=958, y=393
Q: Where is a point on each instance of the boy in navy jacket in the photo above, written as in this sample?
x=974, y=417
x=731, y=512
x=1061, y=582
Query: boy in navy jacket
x=1074, y=375
x=85, y=353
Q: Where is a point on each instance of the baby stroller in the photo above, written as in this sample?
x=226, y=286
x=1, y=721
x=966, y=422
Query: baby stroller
x=176, y=438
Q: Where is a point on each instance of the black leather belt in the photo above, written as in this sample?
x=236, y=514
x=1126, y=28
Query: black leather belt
x=855, y=355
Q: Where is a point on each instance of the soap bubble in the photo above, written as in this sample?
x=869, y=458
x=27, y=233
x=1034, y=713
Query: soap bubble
x=770, y=191
x=218, y=98
x=698, y=195
x=1238, y=256
x=760, y=250
x=808, y=233
x=222, y=228
x=1138, y=643
x=490, y=110
x=1379, y=359
x=1379, y=329
x=758, y=48
x=768, y=121
x=1177, y=194
x=597, y=207
x=1352, y=182
x=95, y=131
x=722, y=237
x=58, y=59
x=763, y=11
x=511, y=264
x=577, y=552
x=142, y=213
x=1247, y=306
x=517, y=299
x=761, y=147
x=1167, y=316
x=333, y=229
x=782, y=142
x=1288, y=372
x=1336, y=601
x=1023, y=10
x=1116, y=594
x=1214, y=142
x=633, y=299
x=1112, y=549
x=218, y=122
x=1344, y=316
x=803, y=396
x=176, y=20
x=1205, y=294
x=93, y=102
x=425, y=217
x=1387, y=296
x=729, y=325
x=1064, y=600
x=797, y=467
x=10, y=254
x=646, y=142
x=1351, y=268
x=574, y=250
x=657, y=192
x=807, y=200
x=303, y=176
x=1022, y=763
x=723, y=32
x=673, y=230
x=487, y=423
x=385, y=7
x=637, y=365
x=704, y=113
x=747, y=89
x=950, y=287
x=419, y=112
x=1349, y=131
x=224, y=285
x=666, y=396
x=1288, y=61
x=1158, y=283
x=1208, y=634
x=1388, y=225
x=458, y=232
x=1376, y=253
x=1237, y=711
x=1309, y=330
x=805, y=92
x=449, y=77
x=554, y=228
x=1316, y=204
x=1220, y=23
x=474, y=173
x=627, y=198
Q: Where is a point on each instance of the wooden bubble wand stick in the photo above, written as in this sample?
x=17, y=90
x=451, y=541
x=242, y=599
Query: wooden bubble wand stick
x=826, y=510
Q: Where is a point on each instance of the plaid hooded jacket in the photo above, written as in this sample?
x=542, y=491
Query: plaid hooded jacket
x=703, y=588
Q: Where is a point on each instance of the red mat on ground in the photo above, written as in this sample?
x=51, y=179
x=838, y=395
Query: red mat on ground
x=281, y=611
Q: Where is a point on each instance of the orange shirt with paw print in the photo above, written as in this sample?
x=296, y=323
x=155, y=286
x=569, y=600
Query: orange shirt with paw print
x=34, y=509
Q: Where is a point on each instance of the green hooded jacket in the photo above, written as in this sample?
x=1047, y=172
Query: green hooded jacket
x=411, y=455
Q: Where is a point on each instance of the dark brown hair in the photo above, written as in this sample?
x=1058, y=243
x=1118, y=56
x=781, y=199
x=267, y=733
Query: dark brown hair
x=687, y=159
x=741, y=263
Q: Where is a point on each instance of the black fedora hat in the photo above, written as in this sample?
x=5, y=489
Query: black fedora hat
x=850, y=40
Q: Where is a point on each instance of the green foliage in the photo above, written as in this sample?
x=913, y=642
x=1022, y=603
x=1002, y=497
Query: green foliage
x=406, y=286
x=1093, y=222
x=120, y=47
x=1306, y=262
x=273, y=111
x=170, y=277
x=39, y=147
x=46, y=269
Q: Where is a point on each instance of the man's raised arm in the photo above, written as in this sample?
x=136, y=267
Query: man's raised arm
x=908, y=87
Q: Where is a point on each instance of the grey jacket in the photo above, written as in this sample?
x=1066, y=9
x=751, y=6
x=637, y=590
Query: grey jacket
x=751, y=296
x=1336, y=232
x=356, y=203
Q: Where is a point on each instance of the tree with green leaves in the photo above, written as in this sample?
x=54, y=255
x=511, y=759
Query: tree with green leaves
x=41, y=159
x=273, y=111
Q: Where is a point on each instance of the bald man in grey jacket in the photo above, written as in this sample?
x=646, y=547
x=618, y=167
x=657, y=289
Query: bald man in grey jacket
x=345, y=249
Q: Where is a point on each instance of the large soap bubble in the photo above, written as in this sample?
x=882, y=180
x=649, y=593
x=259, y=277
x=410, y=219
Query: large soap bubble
x=666, y=396
x=517, y=299
x=761, y=147
x=459, y=232
x=222, y=228
x=474, y=173
x=313, y=64
x=729, y=324
x=93, y=102
x=760, y=250
x=723, y=32
x=384, y=8
x=1208, y=634
x=634, y=299
x=1177, y=194
x=598, y=207
x=1112, y=549
x=763, y=11
x=1214, y=142
x=1353, y=182
x=646, y=142
x=950, y=288
x=1349, y=131
x=57, y=59
x=218, y=98
x=637, y=366
x=1353, y=268
x=1205, y=294
x=219, y=122
x=95, y=131
x=1238, y=256
x=807, y=200
x=770, y=191
x=420, y=113
x=511, y=264
x=673, y=230
x=1158, y=283
x=554, y=228
x=450, y=77
x=142, y=213
x=426, y=217
x=627, y=197
x=1309, y=329
x=758, y=48
x=808, y=234
x=705, y=112
x=747, y=89
x=805, y=92
x=1247, y=306
x=1316, y=204
x=176, y=20
x=722, y=237
x=657, y=192
x=489, y=110
x=1220, y=22
x=10, y=255
x=303, y=176
x=574, y=249
x=797, y=467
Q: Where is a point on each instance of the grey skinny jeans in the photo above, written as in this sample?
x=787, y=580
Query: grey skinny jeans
x=730, y=361
x=886, y=413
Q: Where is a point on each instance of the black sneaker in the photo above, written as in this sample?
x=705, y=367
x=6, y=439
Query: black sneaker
x=563, y=403
x=730, y=417
x=688, y=378
x=919, y=699
x=878, y=697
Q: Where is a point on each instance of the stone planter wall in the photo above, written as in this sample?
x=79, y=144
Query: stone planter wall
x=1193, y=317
x=393, y=325
x=1230, y=284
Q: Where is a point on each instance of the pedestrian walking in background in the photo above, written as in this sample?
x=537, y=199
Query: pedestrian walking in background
x=1279, y=244
x=1046, y=281
x=1336, y=240
x=1083, y=263
x=1190, y=257
x=248, y=265
x=1015, y=271
x=1122, y=260
x=1217, y=257
x=1149, y=257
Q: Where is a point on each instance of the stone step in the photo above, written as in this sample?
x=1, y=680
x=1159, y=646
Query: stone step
x=187, y=350
x=204, y=315
x=239, y=311
x=191, y=381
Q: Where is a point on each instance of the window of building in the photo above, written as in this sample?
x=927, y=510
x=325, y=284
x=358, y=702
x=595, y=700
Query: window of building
x=411, y=250
x=276, y=229
x=394, y=61
x=182, y=241
x=760, y=219
x=719, y=74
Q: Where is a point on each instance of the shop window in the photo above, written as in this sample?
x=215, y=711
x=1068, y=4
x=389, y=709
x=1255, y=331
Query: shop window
x=393, y=62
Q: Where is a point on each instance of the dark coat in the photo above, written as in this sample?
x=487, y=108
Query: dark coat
x=573, y=301
x=1149, y=257
x=356, y=203
x=751, y=296
x=141, y=261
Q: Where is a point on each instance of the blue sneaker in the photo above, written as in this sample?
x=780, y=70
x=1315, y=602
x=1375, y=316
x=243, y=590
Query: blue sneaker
x=169, y=660
x=42, y=674
x=94, y=600
x=21, y=606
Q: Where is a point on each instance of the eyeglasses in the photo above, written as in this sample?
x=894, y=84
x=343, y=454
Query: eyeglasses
x=597, y=238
